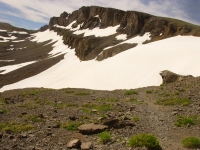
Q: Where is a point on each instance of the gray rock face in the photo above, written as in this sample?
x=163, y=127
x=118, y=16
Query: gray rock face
x=169, y=77
x=92, y=128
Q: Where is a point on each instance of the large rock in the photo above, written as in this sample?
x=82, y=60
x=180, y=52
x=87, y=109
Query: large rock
x=76, y=143
x=169, y=77
x=92, y=128
x=86, y=146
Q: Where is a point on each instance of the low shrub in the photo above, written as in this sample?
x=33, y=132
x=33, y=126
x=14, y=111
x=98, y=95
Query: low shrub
x=130, y=92
x=144, y=140
x=105, y=137
x=191, y=142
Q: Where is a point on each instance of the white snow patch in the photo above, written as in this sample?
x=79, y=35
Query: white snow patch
x=136, y=67
x=7, y=69
x=3, y=30
x=59, y=46
x=18, y=41
x=98, y=32
x=121, y=37
x=19, y=32
x=138, y=40
x=6, y=39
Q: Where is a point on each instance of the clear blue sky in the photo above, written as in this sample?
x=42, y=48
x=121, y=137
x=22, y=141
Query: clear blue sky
x=32, y=14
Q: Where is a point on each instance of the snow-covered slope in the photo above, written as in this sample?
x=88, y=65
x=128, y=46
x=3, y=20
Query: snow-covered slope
x=136, y=67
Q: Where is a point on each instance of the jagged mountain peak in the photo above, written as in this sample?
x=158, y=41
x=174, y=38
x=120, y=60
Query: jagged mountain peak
x=129, y=23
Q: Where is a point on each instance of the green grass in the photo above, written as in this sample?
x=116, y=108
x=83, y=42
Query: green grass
x=4, y=111
x=186, y=120
x=54, y=104
x=133, y=100
x=2, y=101
x=130, y=92
x=82, y=93
x=71, y=125
x=100, y=107
x=135, y=119
x=191, y=142
x=104, y=137
x=29, y=105
x=69, y=91
x=148, y=91
x=174, y=101
x=16, y=127
x=144, y=140
x=34, y=118
x=34, y=92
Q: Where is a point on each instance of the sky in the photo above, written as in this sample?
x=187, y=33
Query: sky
x=32, y=14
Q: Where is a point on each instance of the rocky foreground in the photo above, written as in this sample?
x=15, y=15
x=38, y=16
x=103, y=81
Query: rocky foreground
x=37, y=119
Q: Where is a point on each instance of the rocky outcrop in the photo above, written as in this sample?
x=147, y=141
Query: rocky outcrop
x=44, y=28
x=169, y=77
x=114, y=51
x=131, y=23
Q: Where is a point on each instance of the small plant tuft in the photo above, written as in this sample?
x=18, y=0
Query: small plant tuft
x=144, y=140
x=135, y=119
x=105, y=137
x=174, y=101
x=148, y=91
x=186, y=120
x=191, y=142
x=15, y=127
x=71, y=125
x=130, y=92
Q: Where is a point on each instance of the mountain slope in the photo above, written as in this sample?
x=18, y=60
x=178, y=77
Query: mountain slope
x=117, y=58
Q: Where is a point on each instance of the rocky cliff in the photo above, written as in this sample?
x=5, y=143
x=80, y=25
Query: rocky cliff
x=131, y=23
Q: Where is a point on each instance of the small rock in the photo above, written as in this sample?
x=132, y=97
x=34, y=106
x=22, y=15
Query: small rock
x=41, y=116
x=72, y=118
x=94, y=110
x=1, y=111
x=86, y=146
x=76, y=143
x=23, y=135
x=24, y=113
x=174, y=113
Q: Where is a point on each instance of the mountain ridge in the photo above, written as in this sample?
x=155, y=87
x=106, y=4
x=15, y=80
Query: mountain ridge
x=131, y=23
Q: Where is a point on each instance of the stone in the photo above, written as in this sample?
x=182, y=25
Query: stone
x=86, y=146
x=174, y=113
x=72, y=118
x=92, y=128
x=94, y=110
x=76, y=143
x=169, y=77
